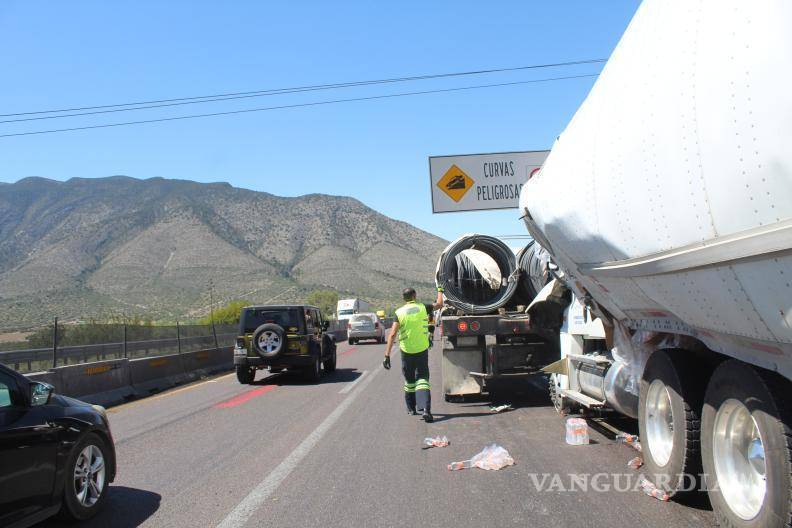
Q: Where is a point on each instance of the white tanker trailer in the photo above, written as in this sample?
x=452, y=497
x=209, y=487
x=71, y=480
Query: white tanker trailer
x=667, y=206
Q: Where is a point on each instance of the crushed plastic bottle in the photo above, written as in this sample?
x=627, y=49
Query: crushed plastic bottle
x=492, y=457
x=630, y=440
x=626, y=438
x=437, y=441
x=635, y=463
x=653, y=491
x=577, y=431
x=501, y=408
x=464, y=464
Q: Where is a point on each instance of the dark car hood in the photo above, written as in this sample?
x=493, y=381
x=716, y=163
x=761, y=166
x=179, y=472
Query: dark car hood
x=68, y=401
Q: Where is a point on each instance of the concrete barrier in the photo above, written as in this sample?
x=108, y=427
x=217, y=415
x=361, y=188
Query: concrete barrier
x=102, y=382
x=115, y=381
x=153, y=374
x=206, y=362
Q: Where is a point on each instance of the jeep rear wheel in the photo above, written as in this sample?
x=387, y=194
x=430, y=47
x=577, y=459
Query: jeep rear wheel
x=314, y=373
x=330, y=363
x=245, y=375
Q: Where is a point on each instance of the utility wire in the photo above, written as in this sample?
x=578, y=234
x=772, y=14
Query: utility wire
x=298, y=105
x=277, y=91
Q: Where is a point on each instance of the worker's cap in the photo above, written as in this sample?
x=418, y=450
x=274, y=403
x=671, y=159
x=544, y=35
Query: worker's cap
x=408, y=294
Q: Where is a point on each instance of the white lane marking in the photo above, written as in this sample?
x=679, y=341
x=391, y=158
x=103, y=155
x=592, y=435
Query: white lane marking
x=245, y=509
x=352, y=385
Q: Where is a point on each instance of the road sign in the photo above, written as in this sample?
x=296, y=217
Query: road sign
x=475, y=182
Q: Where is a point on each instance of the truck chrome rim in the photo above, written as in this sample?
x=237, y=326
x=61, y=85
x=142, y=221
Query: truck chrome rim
x=269, y=341
x=89, y=476
x=659, y=423
x=739, y=454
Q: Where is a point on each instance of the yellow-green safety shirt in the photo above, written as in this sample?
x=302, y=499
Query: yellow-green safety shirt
x=413, y=327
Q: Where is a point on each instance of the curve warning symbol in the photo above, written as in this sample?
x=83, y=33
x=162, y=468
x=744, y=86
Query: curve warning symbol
x=455, y=183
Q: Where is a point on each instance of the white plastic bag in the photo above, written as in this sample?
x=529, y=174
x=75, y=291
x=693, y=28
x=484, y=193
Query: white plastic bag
x=492, y=457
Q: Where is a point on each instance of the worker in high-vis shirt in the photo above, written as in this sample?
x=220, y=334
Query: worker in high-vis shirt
x=412, y=325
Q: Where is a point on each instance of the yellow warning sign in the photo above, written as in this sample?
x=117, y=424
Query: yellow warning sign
x=455, y=183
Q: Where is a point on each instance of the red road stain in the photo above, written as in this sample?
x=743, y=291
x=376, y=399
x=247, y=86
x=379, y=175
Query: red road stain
x=245, y=397
x=349, y=351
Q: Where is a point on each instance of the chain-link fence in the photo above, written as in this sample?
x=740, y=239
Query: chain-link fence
x=61, y=344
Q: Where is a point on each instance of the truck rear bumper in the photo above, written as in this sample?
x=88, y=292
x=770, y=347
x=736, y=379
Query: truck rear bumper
x=362, y=334
x=468, y=369
x=277, y=361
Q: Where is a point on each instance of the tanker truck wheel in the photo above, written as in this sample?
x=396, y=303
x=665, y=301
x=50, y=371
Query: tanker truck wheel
x=669, y=421
x=746, y=446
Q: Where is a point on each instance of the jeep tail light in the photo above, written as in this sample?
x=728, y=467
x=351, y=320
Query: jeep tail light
x=349, y=326
x=462, y=326
x=240, y=342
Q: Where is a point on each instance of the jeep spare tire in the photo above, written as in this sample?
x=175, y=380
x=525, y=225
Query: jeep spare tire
x=268, y=340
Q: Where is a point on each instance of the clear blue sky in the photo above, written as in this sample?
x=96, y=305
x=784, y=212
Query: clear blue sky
x=63, y=54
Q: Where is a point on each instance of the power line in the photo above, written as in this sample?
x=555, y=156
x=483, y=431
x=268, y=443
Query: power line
x=278, y=91
x=298, y=105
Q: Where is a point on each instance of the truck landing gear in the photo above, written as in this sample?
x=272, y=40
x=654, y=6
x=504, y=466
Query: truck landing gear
x=563, y=406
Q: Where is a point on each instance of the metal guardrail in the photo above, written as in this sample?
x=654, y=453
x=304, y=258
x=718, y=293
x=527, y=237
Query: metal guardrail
x=72, y=354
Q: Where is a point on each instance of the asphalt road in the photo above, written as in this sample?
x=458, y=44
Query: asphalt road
x=344, y=453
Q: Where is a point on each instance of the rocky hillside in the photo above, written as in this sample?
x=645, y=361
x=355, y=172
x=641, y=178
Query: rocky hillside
x=89, y=247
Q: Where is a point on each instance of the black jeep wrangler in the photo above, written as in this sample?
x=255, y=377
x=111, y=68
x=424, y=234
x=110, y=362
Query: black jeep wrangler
x=283, y=337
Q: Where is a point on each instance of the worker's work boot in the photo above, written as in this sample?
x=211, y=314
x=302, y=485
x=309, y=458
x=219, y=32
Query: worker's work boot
x=412, y=412
x=427, y=417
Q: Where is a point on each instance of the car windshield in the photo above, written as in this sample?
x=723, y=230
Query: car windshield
x=252, y=319
x=362, y=318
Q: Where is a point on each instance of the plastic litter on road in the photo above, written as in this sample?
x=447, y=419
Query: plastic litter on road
x=629, y=439
x=577, y=431
x=653, y=491
x=492, y=457
x=635, y=463
x=501, y=408
x=437, y=441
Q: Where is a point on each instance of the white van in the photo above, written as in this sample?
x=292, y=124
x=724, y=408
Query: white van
x=347, y=307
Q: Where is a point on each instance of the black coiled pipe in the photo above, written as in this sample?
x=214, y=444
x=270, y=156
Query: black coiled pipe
x=532, y=260
x=456, y=281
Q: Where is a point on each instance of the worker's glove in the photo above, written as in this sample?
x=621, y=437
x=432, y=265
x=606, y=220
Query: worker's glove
x=386, y=362
x=440, y=289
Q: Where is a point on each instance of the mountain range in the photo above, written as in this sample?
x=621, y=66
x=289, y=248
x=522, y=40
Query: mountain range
x=161, y=248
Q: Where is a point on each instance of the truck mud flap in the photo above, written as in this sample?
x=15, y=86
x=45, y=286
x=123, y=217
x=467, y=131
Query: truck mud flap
x=457, y=365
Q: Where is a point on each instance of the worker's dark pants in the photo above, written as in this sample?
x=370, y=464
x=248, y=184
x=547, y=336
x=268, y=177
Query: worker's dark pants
x=415, y=368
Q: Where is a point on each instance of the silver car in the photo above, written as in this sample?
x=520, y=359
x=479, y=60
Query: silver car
x=365, y=326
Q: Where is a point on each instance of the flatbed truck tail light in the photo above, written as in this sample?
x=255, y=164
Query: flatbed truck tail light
x=475, y=326
x=462, y=326
x=376, y=325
